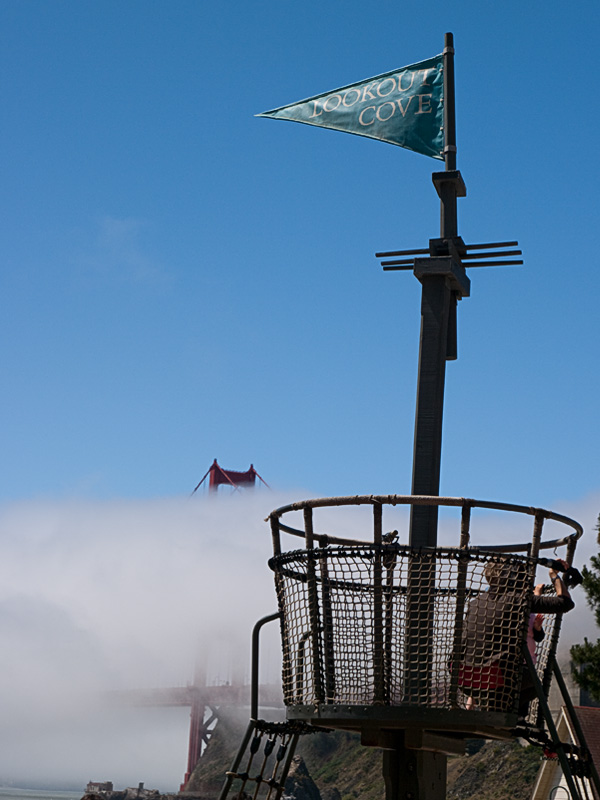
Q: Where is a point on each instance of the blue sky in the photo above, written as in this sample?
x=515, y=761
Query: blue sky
x=182, y=281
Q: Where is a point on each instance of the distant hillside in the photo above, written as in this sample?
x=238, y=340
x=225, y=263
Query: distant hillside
x=342, y=769
x=499, y=771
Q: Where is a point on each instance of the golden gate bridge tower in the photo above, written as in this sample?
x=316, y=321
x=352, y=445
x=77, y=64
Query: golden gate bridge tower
x=217, y=476
x=204, y=701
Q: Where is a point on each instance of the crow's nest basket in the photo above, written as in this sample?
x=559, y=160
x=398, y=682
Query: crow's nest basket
x=376, y=633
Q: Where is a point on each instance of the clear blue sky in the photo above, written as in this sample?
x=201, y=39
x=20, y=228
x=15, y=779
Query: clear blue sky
x=182, y=281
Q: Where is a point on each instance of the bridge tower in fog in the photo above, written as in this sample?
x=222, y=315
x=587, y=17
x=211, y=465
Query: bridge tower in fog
x=217, y=476
x=205, y=700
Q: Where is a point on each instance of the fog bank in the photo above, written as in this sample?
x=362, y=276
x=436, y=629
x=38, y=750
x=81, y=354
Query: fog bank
x=98, y=596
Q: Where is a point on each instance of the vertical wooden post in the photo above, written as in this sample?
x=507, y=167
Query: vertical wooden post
x=313, y=605
x=435, y=306
x=327, y=622
x=379, y=681
x=459, y=609
x=414, y=774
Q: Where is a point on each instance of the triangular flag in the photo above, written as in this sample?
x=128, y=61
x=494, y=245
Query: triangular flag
x=404, y=107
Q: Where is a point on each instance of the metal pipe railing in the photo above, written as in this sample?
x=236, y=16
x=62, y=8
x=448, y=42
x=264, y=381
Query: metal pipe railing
x=539, y=514
x=255, y=659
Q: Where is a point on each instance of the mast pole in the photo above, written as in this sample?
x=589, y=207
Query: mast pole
x=442, y=279
x=441, y=275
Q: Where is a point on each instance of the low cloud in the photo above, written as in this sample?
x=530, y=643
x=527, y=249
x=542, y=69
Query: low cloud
x=126, y=595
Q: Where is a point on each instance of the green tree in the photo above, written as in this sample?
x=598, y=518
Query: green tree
x=585, y=657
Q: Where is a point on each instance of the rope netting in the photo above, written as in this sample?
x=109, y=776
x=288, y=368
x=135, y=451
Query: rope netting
x=385, y=625
x=542, y=652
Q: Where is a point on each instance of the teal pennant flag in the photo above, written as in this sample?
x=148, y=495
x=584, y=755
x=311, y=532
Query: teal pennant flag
x=402, y=107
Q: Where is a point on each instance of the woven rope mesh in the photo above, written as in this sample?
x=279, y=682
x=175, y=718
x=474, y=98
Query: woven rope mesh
x=541, y=653
x=381, y=624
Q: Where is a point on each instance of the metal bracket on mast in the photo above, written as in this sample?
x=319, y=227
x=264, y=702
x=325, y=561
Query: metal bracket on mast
x=447, y=267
